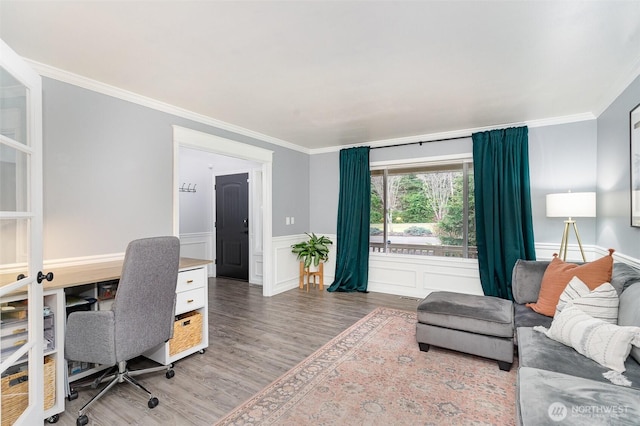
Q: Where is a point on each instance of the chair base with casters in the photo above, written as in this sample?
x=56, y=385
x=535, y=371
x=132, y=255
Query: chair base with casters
x=114, y=375
x=141, y=318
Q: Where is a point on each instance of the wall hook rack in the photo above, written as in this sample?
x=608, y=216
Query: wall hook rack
x=187, y=188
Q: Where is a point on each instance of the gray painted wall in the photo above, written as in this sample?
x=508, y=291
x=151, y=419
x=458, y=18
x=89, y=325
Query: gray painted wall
x=562, y=157
x=108, y=173
x=613, y=174
x=196, y=208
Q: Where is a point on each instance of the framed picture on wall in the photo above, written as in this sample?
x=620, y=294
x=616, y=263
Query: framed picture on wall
x=634, y=129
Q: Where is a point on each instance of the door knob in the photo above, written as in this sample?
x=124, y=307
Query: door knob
x=41, y=277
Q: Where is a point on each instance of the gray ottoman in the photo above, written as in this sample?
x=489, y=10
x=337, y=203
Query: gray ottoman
x=478, y=325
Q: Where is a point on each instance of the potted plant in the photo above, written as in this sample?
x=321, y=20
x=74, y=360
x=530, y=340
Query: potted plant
x=313, y=251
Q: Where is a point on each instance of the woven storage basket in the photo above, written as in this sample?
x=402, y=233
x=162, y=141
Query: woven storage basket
x=187, y=332
x=15, y=392
x=15, y=396
x=49, y=382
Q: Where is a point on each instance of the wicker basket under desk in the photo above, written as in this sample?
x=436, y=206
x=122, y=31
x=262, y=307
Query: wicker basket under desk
x=187, y=332
x=15, y=392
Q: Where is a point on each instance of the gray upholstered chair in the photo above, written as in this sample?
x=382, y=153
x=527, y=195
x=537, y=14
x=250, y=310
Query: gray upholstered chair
x=140, y=319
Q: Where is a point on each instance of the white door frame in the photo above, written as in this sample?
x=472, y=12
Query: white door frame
x=28, y=259
x=189, y=138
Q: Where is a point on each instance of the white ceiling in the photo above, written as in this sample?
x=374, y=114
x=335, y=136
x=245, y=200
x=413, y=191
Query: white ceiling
x=329, y=73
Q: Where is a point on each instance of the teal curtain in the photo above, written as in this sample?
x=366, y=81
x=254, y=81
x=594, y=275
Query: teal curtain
x=354, y=205
x=504, y=227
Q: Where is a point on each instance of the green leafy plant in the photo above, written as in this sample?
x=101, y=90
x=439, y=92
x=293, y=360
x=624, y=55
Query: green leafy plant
x=314, y=250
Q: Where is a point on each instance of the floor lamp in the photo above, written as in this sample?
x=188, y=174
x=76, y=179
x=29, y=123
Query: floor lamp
x=571, y=204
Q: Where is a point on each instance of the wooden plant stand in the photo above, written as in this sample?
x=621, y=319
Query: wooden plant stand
x=306, y=275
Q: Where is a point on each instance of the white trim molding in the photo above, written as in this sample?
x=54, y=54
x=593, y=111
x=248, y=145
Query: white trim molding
x=287, y=266
x=462, y=133
x=417, y=276
x=198, y=245
x=85, y=260
x=125, y=95
x=204, y=141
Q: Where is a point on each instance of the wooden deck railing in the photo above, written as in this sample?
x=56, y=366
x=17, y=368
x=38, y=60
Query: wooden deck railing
x=424, y=250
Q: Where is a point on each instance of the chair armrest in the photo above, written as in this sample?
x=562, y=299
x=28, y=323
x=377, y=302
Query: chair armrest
x=89, y=337
x=526, y=279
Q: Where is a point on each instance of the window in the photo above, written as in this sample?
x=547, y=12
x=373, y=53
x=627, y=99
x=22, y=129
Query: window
x=423, y=209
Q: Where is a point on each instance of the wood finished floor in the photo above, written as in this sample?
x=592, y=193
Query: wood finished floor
x=253, y=340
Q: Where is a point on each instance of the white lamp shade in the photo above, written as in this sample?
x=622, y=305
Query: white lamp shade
x=571, y=204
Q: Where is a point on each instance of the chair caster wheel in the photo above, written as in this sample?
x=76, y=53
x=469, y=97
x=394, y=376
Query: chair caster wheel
x=153, y=402
x=53, y=419
x=201, y=351
x=82, y=420
x=72, y=395
x=170, y=373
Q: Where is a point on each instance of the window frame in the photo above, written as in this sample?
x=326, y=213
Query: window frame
x=465, y=164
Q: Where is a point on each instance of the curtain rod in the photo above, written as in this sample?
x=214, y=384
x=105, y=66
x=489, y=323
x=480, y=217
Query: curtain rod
x=421, y=142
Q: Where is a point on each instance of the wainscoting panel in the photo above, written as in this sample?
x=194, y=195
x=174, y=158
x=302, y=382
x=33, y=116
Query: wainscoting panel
x=199, y=245
x=381, y=276
x=287, y=267
x=256, y=270
x=413, y=276
x=417, y=276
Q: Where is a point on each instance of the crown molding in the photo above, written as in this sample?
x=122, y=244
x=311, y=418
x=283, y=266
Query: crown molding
x=618, y=88
x=116, y=92
x=552, y=121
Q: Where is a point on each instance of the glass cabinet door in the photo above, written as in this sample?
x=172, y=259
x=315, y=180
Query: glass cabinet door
x=21, y=305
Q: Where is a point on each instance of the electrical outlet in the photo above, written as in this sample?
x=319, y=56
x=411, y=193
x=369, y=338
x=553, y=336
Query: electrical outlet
x=293, y=220
x=287, y=220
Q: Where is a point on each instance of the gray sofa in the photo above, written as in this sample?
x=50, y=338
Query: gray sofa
x=557, y=385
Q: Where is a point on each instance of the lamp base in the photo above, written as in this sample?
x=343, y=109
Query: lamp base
x=565, y=240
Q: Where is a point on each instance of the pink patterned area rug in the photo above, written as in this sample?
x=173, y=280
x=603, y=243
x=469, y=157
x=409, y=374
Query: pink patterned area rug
x=374, y=374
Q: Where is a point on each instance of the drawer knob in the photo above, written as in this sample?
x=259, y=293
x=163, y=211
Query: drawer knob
x=189, y=281
x=190, y=301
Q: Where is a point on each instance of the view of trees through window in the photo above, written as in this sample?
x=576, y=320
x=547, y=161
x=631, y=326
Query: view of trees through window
x=423, y=211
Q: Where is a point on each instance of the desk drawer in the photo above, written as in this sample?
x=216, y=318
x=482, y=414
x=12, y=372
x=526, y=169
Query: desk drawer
x=189, y=300
x=188, y=280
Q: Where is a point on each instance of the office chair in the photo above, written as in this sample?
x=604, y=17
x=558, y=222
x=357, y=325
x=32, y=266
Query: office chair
x=141, y=318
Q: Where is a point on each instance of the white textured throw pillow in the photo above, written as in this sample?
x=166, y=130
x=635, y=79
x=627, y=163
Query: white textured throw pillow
x=602, y=302
x=607, y=344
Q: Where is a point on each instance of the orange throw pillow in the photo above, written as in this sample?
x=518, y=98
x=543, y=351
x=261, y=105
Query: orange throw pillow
x=559, y=273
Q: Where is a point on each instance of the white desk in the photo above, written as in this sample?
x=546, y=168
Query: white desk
x=191, y=295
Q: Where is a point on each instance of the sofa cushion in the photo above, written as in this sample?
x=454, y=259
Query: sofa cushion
x=526, y=317
x=607, y=344
x=601, y=303
x=623, y=276
x=538, y=351
x=486, y=315
x=559, y=273
x=547, y=398
x=629, y=312
x=526, y=278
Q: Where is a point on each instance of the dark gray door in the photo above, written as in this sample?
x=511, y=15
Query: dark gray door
x=232, y=226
